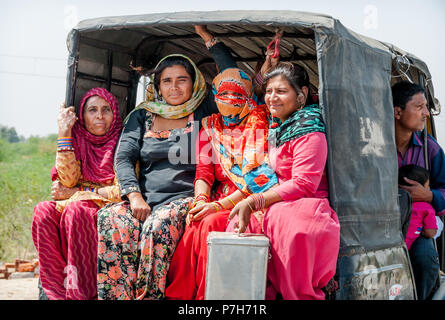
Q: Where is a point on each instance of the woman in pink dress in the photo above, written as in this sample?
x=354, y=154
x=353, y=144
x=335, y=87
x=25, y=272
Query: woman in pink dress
x=64, y=231
x=303, y=230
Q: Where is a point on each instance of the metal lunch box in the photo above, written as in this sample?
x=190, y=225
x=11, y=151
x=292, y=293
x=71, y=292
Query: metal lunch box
x=236, y=266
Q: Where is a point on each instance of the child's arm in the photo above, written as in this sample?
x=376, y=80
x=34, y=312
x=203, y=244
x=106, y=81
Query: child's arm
x=429, y=223
x=429, y=233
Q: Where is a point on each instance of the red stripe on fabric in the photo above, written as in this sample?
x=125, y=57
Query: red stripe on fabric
x=45, y=221
x=79, y=228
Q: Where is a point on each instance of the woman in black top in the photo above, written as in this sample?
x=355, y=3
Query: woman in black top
x=137, y=237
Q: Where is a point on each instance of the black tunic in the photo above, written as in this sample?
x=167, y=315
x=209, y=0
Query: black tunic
x=167, y=165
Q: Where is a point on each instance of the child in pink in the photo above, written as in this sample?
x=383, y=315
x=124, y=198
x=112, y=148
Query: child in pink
x=423, y=216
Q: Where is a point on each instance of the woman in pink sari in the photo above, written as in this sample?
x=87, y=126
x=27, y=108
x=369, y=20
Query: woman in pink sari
x=64, y=231
x=303, y=229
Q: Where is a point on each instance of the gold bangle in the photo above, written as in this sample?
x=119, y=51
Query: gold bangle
x=198, y=203
x=221, y=204
x=231, y=201
x=221, y=207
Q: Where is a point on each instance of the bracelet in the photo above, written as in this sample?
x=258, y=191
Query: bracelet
x=197, y=203
x=258, y=200
x=65, y=143
x=252, y=210
x=211, y=42
x=88, y=189
x=259, y=78
x=200, y=198
x=217, y=208
x=202, y=195
x=231, y=201
x=65, y=149
x=221, y=205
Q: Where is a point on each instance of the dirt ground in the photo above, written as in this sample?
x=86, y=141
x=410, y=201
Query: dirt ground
x=19, y=289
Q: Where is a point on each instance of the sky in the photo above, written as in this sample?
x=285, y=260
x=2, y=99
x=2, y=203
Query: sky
x=33, y=50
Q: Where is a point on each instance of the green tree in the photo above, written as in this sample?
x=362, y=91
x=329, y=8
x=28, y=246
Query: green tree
x=9, y=134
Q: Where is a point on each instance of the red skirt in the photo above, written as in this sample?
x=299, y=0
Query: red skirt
x=66, y=243
x=186, y=276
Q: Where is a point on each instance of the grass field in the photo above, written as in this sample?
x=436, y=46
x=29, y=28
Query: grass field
x=24, y=181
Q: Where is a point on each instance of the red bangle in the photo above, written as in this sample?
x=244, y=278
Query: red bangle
x=259, y=78
x=252, y=210
x=202, y=197
x=221, y=205
x=218, y=206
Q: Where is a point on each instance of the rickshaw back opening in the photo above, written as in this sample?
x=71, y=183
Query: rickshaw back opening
x=352, y=76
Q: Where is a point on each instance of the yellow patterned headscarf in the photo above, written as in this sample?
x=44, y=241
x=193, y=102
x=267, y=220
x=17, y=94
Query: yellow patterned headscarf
x=155, y=104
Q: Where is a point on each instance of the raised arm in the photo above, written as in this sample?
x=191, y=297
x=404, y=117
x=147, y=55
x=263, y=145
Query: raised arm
x=68, y=168
x=219, y=51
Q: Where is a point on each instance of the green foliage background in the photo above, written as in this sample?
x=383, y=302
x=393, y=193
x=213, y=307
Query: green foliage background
x=25, y=180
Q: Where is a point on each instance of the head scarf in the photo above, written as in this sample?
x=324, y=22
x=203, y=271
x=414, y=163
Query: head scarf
x=233, y=108
x=155, y=104
x=96, y=152
x=301, y=122
x=239, y=133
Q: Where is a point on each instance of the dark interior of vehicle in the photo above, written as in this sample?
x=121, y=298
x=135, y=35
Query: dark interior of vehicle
x=107, y=56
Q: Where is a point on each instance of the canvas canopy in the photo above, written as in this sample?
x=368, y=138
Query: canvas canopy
x=352, y=75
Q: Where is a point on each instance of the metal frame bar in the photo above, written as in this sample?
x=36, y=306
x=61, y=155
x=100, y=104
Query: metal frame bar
x=102, y=79
x=247, y=34
x=110, y=69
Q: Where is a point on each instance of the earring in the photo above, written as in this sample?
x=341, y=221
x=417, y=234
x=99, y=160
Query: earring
x=161, y=98
x=301, y=104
